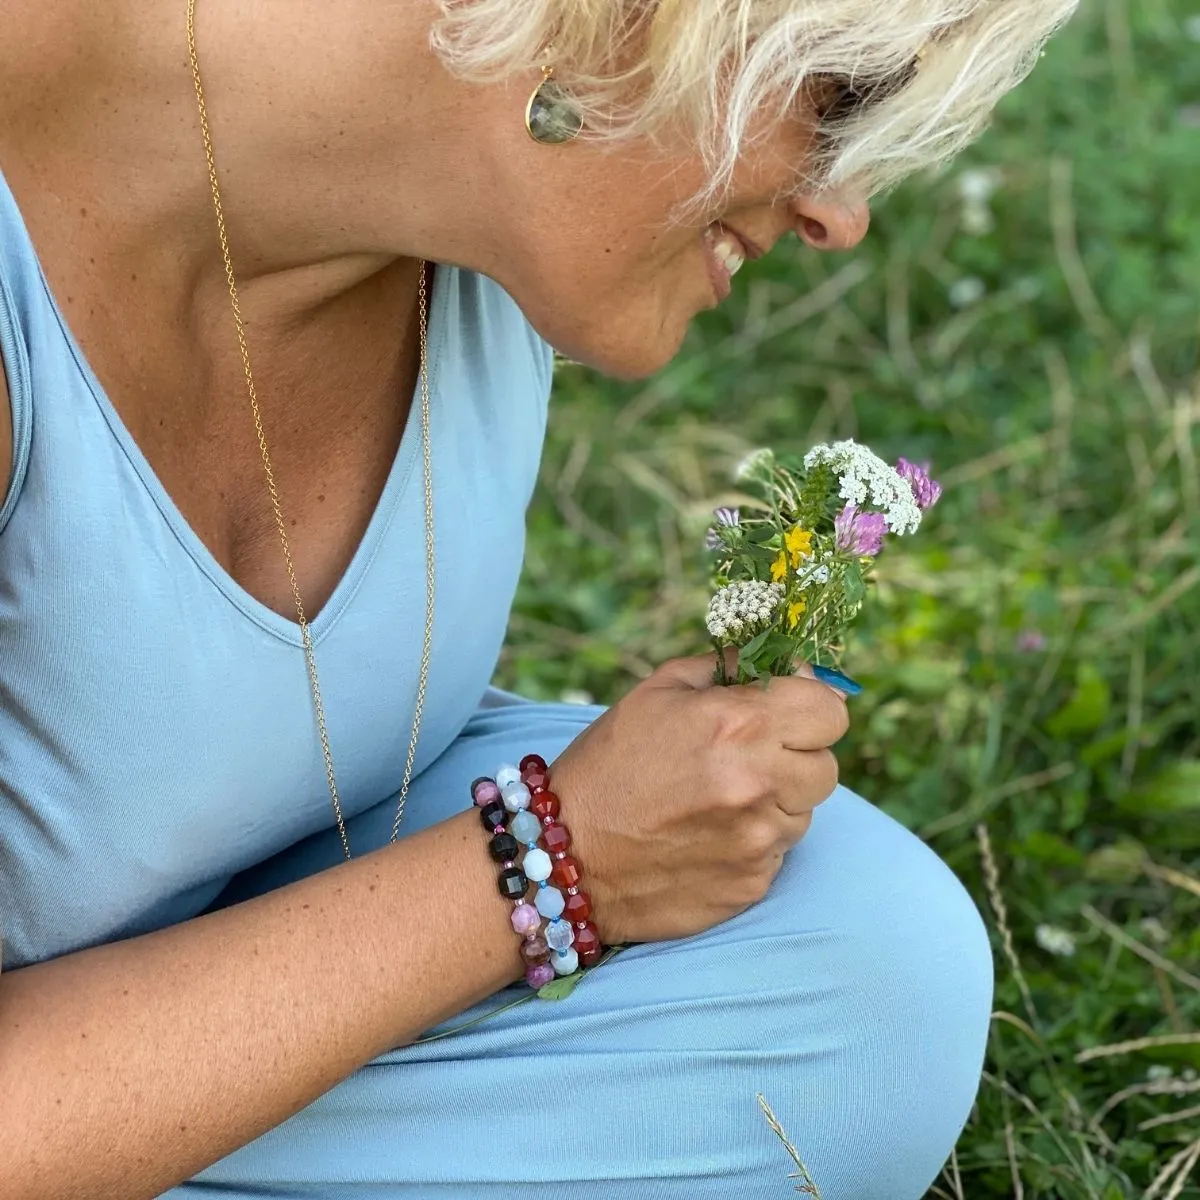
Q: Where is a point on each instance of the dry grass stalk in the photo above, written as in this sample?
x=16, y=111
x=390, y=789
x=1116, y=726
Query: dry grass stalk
x=1011, y=1146
x=1140, y=949
x=1164, y=1087
x=991, y=875
x=807, y=1185
x=1144, y=1043
x=1175, y=878
x=1175, y=1173
x=1183, y=1114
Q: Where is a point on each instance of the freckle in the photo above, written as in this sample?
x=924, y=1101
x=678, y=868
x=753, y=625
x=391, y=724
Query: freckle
x=92, y=261
x=70, y=299
x=59, y=1101
x=133, y=277
x=305, y=906
x=83, y=212
x=371, y=888
x=294, y=522
x=320, y=499
x=183, y=1129
x=84, y=1036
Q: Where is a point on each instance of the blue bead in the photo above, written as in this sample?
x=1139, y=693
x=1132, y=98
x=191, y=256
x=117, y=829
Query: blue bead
x=550, y=902
x=525, y=827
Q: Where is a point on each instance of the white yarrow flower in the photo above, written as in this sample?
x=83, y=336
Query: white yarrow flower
x=865, y=476
x=743, y=607
x=1054, y=940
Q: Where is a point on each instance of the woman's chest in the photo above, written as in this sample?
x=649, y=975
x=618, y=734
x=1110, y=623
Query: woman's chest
x=158, y=734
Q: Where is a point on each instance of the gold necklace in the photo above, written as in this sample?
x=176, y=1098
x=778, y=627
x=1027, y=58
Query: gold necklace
x=427, y=463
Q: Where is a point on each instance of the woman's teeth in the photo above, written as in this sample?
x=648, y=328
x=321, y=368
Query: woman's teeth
x=728, y=250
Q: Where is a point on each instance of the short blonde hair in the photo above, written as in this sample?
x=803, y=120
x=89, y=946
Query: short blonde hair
x=916, y=80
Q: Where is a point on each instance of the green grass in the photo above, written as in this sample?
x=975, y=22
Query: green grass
x=1061, y=409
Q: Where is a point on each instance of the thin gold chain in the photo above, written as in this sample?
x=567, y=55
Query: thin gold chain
x=276, y=507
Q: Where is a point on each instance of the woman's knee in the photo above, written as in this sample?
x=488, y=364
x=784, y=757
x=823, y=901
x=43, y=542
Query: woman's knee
x=911, y=1017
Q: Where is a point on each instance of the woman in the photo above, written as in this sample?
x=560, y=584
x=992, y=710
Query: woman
x=199, y=995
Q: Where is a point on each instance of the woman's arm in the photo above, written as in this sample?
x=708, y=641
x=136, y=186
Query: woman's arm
x=128, y=1068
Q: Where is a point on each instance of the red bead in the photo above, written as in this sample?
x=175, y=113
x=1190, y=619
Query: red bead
x=536, y=780
x=556, y=838
x=544, y=804
x=578, y=907
x=566, y=873
x=587, y=944
x=532, y=760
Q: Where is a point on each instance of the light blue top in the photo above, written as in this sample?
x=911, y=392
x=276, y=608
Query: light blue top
x=156, y=726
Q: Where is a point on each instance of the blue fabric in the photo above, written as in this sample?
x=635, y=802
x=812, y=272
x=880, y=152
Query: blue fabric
x=158, y=757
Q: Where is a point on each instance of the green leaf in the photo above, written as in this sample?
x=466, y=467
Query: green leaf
x=1174, y=791
x=753, y=646
x=560, y=989
x=852, y=582
x=1087, y=708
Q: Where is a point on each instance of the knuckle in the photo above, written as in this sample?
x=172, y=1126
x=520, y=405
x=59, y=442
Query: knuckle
x=827, y=772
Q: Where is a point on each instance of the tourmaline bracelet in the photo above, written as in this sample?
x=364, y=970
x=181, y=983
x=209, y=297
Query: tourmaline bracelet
x=513, y=881
x=518, y=809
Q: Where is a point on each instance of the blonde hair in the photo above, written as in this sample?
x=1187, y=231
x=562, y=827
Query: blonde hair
x=918, y=79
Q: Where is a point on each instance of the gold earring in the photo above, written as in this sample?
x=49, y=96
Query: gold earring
x=551, y=116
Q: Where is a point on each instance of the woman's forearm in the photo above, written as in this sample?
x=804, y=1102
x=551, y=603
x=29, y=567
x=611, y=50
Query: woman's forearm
x=128, y=1068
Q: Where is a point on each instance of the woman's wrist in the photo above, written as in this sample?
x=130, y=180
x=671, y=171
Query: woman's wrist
x=527, y=838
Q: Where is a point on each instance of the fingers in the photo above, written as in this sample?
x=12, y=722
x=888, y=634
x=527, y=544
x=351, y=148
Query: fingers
x=697, y=673
x=802, y=714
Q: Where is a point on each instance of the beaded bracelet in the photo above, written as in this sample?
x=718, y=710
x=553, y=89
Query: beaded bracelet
x=517, y=807
x=570, y=931
x=513, y=882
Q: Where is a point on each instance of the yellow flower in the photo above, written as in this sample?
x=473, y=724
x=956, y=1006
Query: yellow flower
x=795, y=612
x=799, y=545
x=779, y=568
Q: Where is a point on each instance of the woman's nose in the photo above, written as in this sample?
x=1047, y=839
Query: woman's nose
x=831, y=224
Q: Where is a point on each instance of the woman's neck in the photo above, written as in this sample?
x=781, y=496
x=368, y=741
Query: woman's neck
x=339, y=137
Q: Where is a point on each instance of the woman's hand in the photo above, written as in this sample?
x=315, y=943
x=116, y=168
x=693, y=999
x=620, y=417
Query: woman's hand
x=684, y=796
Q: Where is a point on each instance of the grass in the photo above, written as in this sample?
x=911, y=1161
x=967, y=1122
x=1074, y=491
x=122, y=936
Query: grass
x=1032, y=660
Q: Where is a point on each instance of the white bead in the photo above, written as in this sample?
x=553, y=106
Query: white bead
x=566, y=963
x=537, y=865
x=507, y=774
x=516, y=796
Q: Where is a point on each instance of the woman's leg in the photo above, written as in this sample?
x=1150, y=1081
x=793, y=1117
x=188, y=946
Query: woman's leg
x=855, y=997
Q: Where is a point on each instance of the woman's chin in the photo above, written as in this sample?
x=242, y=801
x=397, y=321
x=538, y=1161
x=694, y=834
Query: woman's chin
x=636, y=354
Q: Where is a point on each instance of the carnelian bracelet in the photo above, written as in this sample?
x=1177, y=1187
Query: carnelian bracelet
x=518, y=808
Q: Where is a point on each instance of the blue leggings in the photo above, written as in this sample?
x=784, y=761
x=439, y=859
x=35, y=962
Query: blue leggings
x=855, y=997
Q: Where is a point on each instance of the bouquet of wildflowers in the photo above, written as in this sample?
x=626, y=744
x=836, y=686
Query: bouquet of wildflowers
x=791, y=570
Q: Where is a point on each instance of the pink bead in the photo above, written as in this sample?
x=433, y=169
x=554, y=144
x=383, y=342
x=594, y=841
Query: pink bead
x=486, y=792
x=539, y=976
x=526, y=919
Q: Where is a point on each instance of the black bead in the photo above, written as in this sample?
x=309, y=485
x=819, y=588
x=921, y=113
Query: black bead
x=513, y=884
x=493, y=815
x=504, y=847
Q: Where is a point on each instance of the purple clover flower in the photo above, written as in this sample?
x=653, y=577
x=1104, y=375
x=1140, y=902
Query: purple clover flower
x=860, y=533
x=925, y=491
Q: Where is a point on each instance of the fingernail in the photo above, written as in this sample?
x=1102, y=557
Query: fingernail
x=836, y=679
